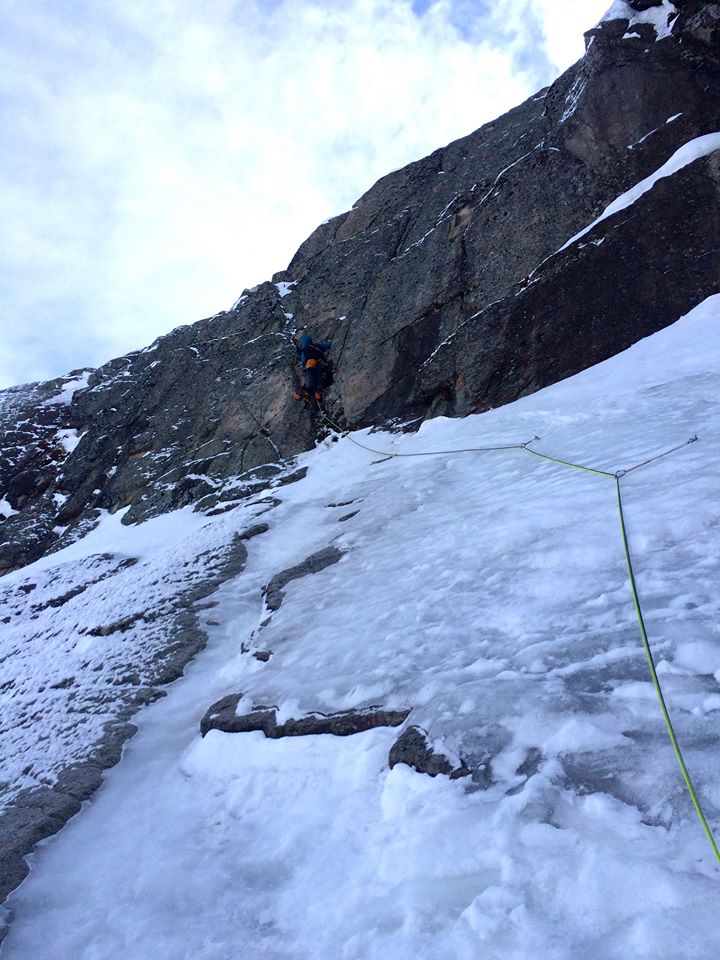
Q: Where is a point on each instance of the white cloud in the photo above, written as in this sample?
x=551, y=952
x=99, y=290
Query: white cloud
x=564, y=22
x=166, y=154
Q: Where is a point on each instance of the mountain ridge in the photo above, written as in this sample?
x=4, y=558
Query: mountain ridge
x=465, y=281
x=421, y=255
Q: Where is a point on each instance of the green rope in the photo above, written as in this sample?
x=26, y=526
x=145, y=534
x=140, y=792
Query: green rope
x=643, y=632
x=656, y=680
x=424, y=453
x=566, y=463
x=631, y=576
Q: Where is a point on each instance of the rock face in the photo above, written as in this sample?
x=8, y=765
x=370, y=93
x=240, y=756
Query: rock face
x=36, y=438
x=447, y=288
x=636, y=271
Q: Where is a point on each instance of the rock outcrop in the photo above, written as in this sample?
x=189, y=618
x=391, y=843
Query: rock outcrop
x=448, y=288
x=274, y=591
x=223, y=716
x=413, y=748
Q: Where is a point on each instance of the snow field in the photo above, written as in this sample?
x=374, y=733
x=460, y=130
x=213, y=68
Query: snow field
x=489, y=593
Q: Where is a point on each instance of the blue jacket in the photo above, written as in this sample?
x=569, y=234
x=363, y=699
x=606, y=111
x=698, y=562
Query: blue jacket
x=309, y=350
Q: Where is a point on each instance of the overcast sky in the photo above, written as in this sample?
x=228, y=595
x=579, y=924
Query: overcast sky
x=158, y=156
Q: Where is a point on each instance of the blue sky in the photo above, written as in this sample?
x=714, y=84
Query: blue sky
x=158, y=157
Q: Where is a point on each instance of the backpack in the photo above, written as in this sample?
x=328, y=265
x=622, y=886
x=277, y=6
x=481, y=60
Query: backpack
x=327, y=373
x=311, y=352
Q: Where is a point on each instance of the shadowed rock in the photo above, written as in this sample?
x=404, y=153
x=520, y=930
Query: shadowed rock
x=274, y=594
x=222, y=716
x=413, y=748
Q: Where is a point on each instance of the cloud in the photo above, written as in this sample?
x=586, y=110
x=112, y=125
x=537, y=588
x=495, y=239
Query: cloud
x=163, y=155
x=564, y=22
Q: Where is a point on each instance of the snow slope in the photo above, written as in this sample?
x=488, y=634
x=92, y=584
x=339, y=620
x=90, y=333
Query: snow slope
x=487, y=592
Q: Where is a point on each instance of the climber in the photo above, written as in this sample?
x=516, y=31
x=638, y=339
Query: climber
x=316, y=368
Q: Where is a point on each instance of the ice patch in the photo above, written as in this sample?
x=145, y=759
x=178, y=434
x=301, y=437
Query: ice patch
x=285, y=287
x=6, y=509
x=70, y=387
x=661, y=17
x=573, y=97
x=582, y=735
x=700, y=657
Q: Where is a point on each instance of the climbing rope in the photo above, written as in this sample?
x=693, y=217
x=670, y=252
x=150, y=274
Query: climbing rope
x=653, y=672
x=389, y=454
x=566, y=463
x=616, y=477
x=622, y=473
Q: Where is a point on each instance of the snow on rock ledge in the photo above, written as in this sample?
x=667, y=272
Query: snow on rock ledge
x=656, y=14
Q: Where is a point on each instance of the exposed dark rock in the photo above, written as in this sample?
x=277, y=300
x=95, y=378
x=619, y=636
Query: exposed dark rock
x=314, y=564
x=254, y=531
x=589, y=302
x=39, y=812
x=527, y=769
x=222, y=716
x=269, y=476
x=206, y=414
x=413, y=748
x=529, y=766
x=704, y=25
x=226, y=508
x=263, y=655
x=285, y=478
x=116, y=626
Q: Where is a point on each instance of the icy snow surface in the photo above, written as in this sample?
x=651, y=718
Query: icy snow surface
x=488, y=592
